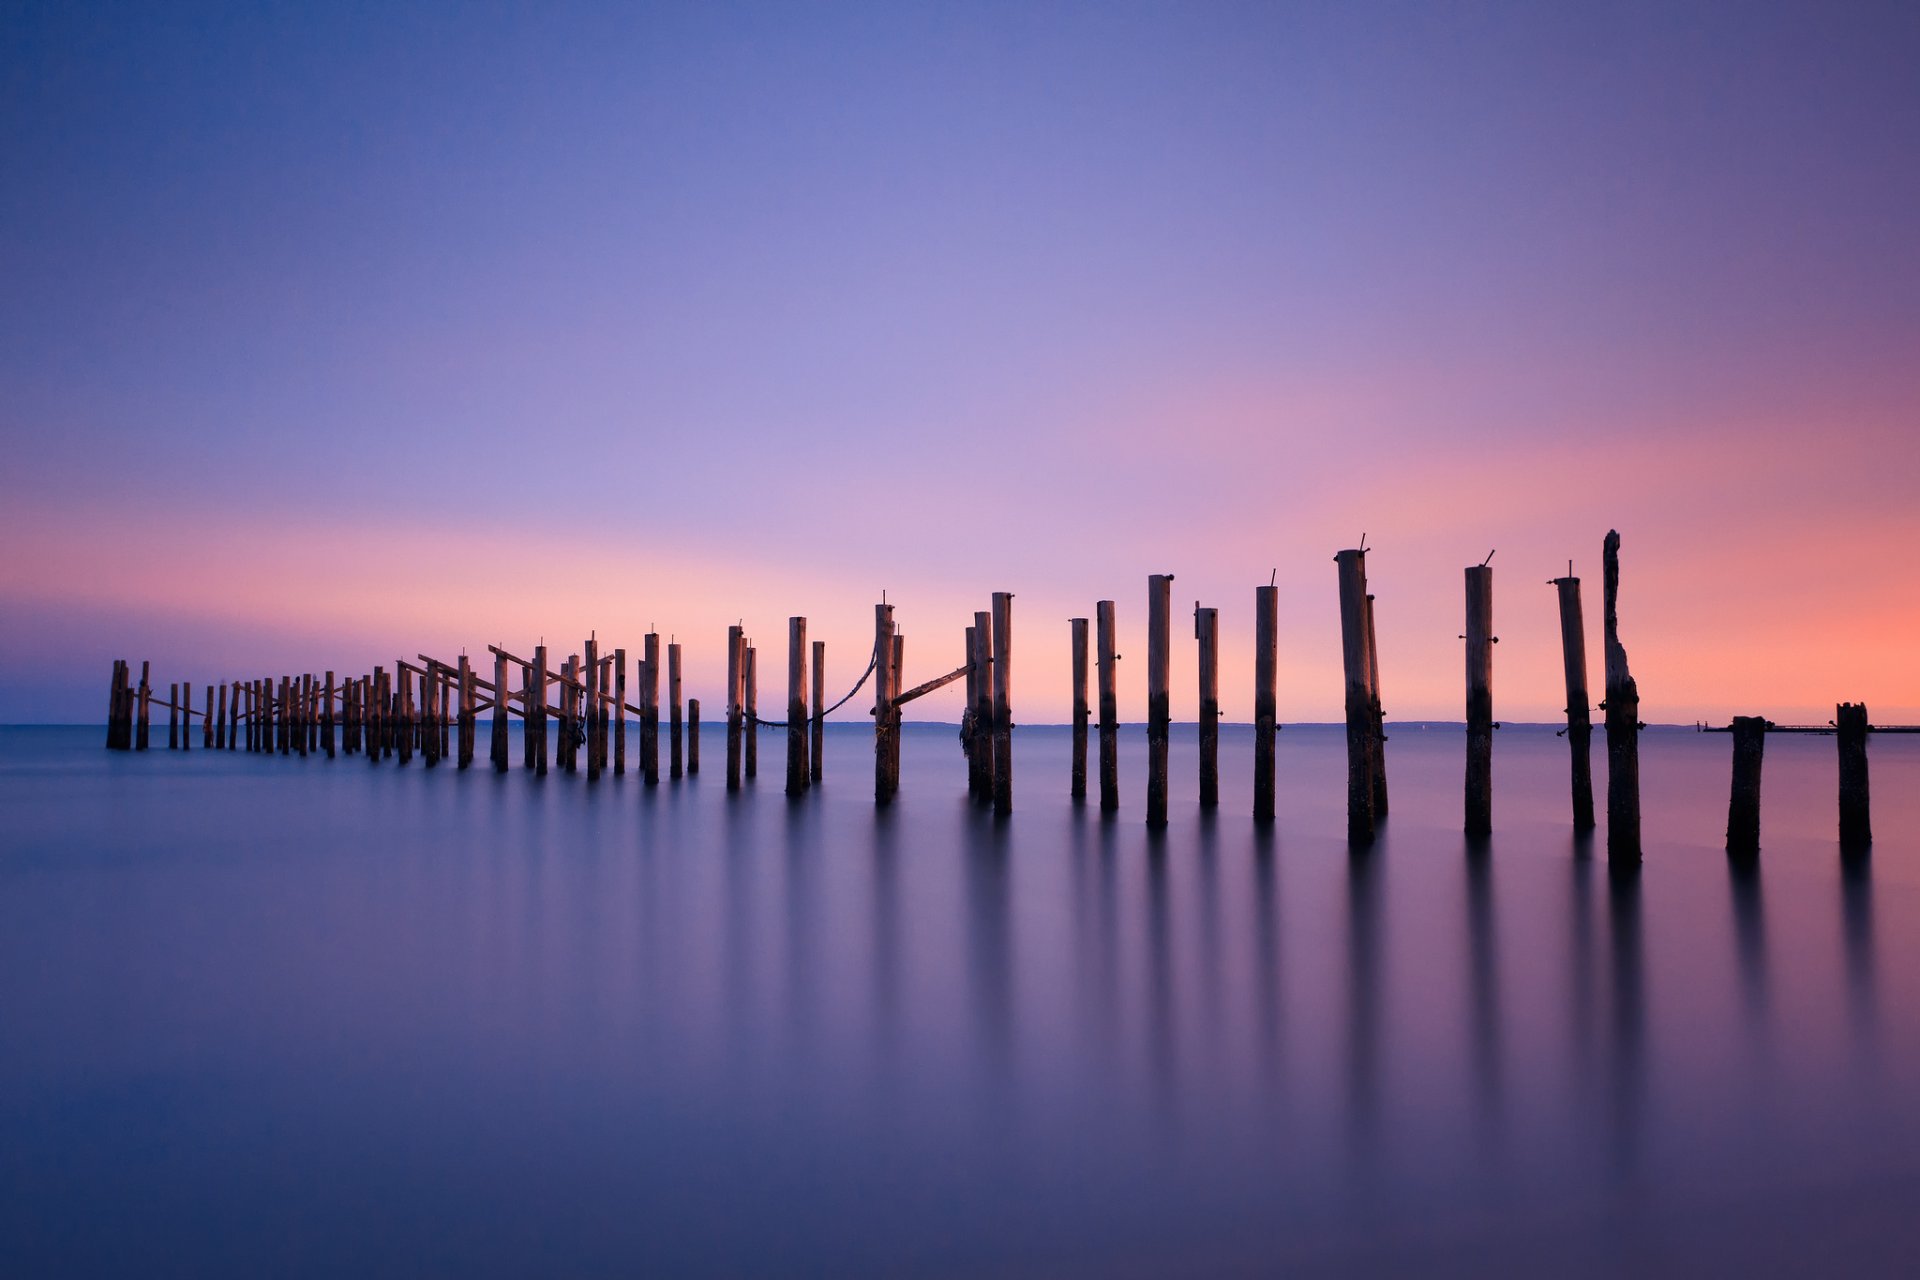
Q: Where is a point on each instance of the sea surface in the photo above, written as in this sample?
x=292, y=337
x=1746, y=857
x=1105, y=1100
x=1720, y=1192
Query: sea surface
x=278, y=1017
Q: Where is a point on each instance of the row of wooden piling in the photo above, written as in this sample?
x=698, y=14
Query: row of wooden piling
x=431, y=707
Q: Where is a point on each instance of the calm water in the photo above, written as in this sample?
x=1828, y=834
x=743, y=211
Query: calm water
x=274, y=1017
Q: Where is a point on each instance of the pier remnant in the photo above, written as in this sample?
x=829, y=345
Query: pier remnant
x=1573, y=651
x=1109, y=678
x=797, y=779
x=1480, y=641
x=1206, y=631
x=1623, y=723
x=1856, y=819
x=1355, y=661
x=1159, y=681
x=1002, y=703
x=1077, y=789
x=1266, y=663
x=1743, y=803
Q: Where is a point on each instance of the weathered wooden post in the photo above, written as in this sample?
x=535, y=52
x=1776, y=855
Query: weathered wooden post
x=593, y=709
x=468, y=711
x=326, y=714
x=1743, y=804
x=1266, y=702
x=430, y=714
x=186, y=716
x=1378, y=758
x=404, y=719
x=1078, y=789
x=303, y=723
x=693, y=736
x=502, y=720
x=146, y=697
x=1856, y=817
x=1159, y=683
x=173, y=716
x=899, y=680
x=1109, y=677
x=650, y=710
x=620, y=711
x=750, y=671
x=883, y=690
x=676, y=733
x=1623, y=723
x=736, y=694
x=1002, y=703
x=113, y=704
x=536, y=710
x=1354, y=660
x=1206, y=630
x=796, y=706
x=818, y=728
x=220, y=735
x=1480, y=640
x=1573, y=648
x=980, y=765
x=969, y=732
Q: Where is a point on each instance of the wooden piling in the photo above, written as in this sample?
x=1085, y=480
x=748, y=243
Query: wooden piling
x=593, y=709
x=186, y=716
x=1623, y=723
x=1377, y=757
x=535, y=690
x=113, y=704
x=1002, y=703
x=620, y=711
x=405, y=722
x=326, y=714
x=693, y=736
x=173, y=717
x=818, y=726
x=1159, y=691
x=750, y=671
x=736, y=686
x=220, y=737
x=1573, y=649
x=468, y=711
x=303, y=723
x=1078, y=786
x=1359, y=698
x=502, y=720
x=650, y=710
x=796, y=706
x=1856, y=811
x=1743, y=803
x=146, y=698
x=676, y=733
x=430, y=714
x=884, y=680
x=899, y=679
x=1206, y=632
x=1107, y=670
x=980, y=765
x=1266, y=702
x=207, y=722
x=1479, y=637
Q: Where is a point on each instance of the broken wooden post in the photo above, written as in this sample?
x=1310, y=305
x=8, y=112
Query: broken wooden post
x=650, y=709
x=676, y=733
x=883, y=691
x=1078, y=788
x=1573, y=649
x=1623, y=722
x=796, y=706
x=1856, y=818
x=1002, y=703
x=1159, y=681
x=1378, y=755
x=818, y=727
x=1266, y=703
x=693, y=736
x=980, y=765
x=113, y=704
x=1480, y=639
x=750, y=671
x=736, y=685
x=1109, y=677
x=1359, y=701
x=1743, y=804
x=502, y=721
x=1206, y=630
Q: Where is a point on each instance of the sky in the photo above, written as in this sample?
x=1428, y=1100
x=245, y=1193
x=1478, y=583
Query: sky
x=333, y=334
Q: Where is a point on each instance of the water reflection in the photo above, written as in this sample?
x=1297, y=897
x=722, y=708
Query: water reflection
x=990, y=958
x=1364, y=883
x=1483, y=969
x=1626, y=1086
x=1750, y=948
x=1856, y=909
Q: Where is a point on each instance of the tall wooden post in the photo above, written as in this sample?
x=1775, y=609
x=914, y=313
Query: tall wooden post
x=1078, y=789
x=899, y=681
x=620, y=712
x=406, y=723
x=1480, y=638
x=1378, y=756
x=1856, y=811
x=883, y=691
x=430, y=690
x=1002, y=703
x=113, y=705
x=1573, y=648
x=750, y=671
x=303, y=715
x=1623, y=724
x=1159, y=688
x=1353, y=659
x=969, y=731
x=206, y=722
x=468, y=711
x=676, y=734
x=736, y=686
x=1108, y=677
x=173, y=716
x=980, y=766
x=1266, y=702
x=1743, y=803
x=502, y=721
x=796, y=706
x=1206, y=630
x=818, y=727
x=146, y=697
x=536, y=710
x=693, y=736
x=593, y=709
x=650, y=710
x=220, y=736
x=186, y=716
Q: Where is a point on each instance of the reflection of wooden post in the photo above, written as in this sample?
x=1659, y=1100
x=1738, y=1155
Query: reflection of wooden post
x=1856, y=818
x=1206, y=630
x=1378, y=758
x=1003, y=703
x=1106, y=661
x=1743, y=805
x=1573, y=649
x=1359, y=701
x=676, y=734
x=736, y=658
x=1159, y=681
x=884, y=682
x=980, y=765
x=1623, y=724
x=818, y=725
x=1479, y=799
x=796, y=706
x=1078, y=789
x=1266, y=714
